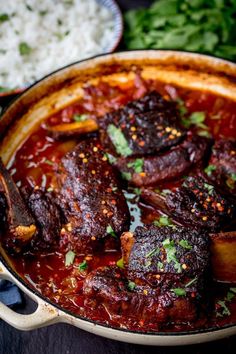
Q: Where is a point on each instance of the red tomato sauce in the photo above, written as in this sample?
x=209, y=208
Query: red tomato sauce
x=33, y=165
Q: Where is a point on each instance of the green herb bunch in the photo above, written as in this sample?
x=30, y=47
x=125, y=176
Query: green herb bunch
x=193, y=25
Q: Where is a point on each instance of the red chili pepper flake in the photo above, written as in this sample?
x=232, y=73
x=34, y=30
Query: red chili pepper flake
x=113, y=201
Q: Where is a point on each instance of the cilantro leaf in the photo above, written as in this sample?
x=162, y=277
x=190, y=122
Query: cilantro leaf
x=83, y=265
x=70, y=257
x=119, y=141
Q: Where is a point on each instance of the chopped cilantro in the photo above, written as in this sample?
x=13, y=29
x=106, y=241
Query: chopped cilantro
x=195, y=118
x=209, y=169
x=152, y=252
x=137, y=191
x=179, y=291
x=119, y=141
x=160, y=265
x=204, y=133
x=111, y=231
x=83, y=266
x=126, y=175
x=185, y=244
x=163, y=221
x=24, y=48
x=224, y=311
x=29, y=7
x=181, y=106
x=131, y=285
x=170, y=249
x=209, y=188
x=190, y=282
x=48, y=162
x=4, y=17
x=80, y=117
x=120, y=263
x=137, y=165
x=70, y=257
x=112, y=159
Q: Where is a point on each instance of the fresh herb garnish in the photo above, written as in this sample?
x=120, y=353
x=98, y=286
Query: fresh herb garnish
x=179, y=291
x=209, y=188
x=119, y=141
x=170, y=249
x=224, y=310
x=120, y=263
x=110, y=231
x=80, y=117
x=29, y=7
x=197, y=25
x=160, y=265
x=209, y=169
x=24, y=48
x=153, y=252
x=70, y=257
x=112, y=159
x=185, y=244
x=126, y=175
x=4, y=17
x=137, y=191
x=163, y=221
x=48, y=162
x=83, y=265
x=131, y=285
x=137, y=165
x=195, y=118
x=181, y=106
x=190, y=282
x=43, y=12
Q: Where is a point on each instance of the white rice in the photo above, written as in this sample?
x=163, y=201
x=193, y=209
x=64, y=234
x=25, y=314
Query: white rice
x=56, y=33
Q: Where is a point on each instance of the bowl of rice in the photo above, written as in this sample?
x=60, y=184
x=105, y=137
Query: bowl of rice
x=39, y=37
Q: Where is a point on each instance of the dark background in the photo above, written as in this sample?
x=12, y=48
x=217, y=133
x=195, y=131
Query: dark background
x=66, y=339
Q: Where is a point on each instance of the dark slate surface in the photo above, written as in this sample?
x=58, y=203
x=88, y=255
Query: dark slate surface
x=65, y=339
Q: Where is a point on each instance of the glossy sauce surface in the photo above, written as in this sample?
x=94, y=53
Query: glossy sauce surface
x=34, y=165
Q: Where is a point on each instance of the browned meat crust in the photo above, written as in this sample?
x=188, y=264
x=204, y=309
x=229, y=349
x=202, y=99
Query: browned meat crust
x=149, y=125
x=222, y=165
x=198, y=203
x=167, y=166
x=90, y=197
x=163, y=280
x=108, y=287
x=49, y=220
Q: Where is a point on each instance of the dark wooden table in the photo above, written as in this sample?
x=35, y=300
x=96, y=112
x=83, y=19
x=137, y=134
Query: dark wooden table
x=65, y=339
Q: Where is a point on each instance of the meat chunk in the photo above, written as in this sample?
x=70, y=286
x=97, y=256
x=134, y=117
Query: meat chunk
x=173, y=251
x=144, y=126
x=164, y=277
x=49, y=220
x=90, y=197
x=166, y=166
x=222, y=165
x=195, y=203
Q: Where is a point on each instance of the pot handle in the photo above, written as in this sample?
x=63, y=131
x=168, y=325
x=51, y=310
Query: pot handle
x=44, y=315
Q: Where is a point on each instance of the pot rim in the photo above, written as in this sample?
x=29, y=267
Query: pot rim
x=192, y=333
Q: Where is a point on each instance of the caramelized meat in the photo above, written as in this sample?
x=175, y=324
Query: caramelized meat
x=196, y=203
x=165, y=250
x=147, y=125
x=90, y=197
x=222, y=165
x=108, y=287
x=167, y=166
x=163, y=280
x=48, y=218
